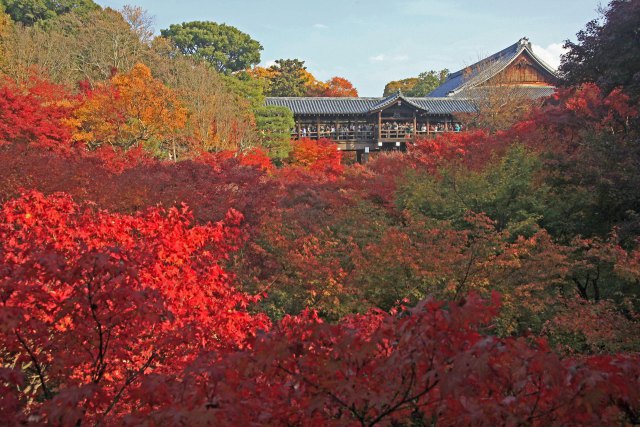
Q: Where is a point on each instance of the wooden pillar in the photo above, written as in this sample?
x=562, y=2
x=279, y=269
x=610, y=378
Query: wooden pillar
x=298, y=129
x=415, y=126
x=318, y=127
x=379, y=125
x=362, y=156
x=428, y=126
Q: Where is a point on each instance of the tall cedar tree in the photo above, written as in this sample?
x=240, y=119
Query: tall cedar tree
x=289, y=78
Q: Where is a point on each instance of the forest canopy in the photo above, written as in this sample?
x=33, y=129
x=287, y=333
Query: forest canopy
x=607, y=51
x=226, y=48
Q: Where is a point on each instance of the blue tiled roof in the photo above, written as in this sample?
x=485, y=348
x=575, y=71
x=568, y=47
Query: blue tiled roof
x=326, y=106
x=445, y=105
x=362, y=106
x=478, y=73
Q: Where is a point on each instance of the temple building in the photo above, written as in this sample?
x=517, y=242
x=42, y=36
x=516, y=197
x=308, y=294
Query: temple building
x=515, y=67
x=368, y=124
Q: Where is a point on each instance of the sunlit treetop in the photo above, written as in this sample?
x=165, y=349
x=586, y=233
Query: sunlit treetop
x=30, y=12
x=225, y=47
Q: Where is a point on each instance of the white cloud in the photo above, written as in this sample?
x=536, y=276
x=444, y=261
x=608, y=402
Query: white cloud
x=551, y=54
x=381, y=57
x=320, y=26
x=269, y=63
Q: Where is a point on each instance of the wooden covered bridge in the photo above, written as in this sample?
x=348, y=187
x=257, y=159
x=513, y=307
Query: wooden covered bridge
x=373, y=123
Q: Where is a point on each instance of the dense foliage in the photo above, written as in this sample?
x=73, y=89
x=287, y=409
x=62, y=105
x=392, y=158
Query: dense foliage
x=607, y=51
x=275, y=124
x=422, y=85
x=29, y=12
x=91, y=301
x=160, y=265
x=199, y=88
x=225, y=47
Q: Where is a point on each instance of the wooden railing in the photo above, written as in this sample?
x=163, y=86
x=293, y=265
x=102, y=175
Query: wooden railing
x=339, y=135
x=356, y=135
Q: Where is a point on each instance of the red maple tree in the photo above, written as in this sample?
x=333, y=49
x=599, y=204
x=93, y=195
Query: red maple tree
x=36, y=113
x=91, y=302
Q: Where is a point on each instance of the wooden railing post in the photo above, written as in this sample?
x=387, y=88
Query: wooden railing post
x=415, y=126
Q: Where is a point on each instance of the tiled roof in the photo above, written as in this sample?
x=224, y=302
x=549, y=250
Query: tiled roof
x=327, y=106
x=362, y=106
x=482, y=71
x=445, y=105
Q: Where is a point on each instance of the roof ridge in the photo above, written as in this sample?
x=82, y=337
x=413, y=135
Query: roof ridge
x=393, y=98
x=337, y=106
x=517, y=46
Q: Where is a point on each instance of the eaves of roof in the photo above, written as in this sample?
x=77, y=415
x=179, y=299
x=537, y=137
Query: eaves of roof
x=531, y=92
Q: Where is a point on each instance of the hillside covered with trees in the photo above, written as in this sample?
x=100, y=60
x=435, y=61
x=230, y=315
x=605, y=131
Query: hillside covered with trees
x=168, y=256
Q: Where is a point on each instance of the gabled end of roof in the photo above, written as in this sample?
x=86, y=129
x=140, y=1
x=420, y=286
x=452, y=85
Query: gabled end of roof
x=398, y=96
x=483, y=70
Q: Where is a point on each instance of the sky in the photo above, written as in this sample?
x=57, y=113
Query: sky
x=372, y=42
